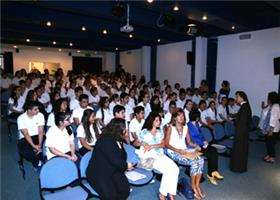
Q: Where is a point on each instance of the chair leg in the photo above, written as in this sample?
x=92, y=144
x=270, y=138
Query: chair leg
x=21, y=166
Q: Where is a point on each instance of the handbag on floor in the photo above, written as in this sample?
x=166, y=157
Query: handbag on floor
x=185, y=189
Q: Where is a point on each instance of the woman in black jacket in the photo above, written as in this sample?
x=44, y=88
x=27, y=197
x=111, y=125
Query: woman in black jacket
x=107, y=165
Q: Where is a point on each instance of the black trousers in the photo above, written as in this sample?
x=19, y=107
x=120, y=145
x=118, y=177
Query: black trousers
x=212, y=157
x=270, y=142
x=27, y=151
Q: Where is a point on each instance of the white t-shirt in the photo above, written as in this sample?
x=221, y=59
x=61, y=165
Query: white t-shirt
x=166, y=106
x=78, y=112
x=107, y=115
x=50, y=121
x=93, y=99
x=147, y=108
x=196, y=99
x=81, y=134
x=30, y=123
x=135, y=126
x=221, y=111
x=211, y=114
x=180, y=103
x=45, y=98
x=203, y=116
x=74, y=103
x=59, y=139
x=18, y=107
x=166, y=119
x=128, y=112
x=187, y=117
x=71, y=93
x=111, y=107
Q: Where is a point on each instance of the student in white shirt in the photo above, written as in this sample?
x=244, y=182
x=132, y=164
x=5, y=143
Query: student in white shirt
x=232, y=107
x=196, y=98
x=136, y=124
x=222, y=115
x=31, y=132
x=124, y=99
x=167, y=117
x=182, y=98
x=71, y=91
x=61, y=105
x=202, y=106
x=187, y=109
x=103, y=114
x=172, y=97
x=94, y=98
x=74, y=102
x=15, y=103
x=78, y=112
x=145, y=103
x=88, y=132
x=60, y=139
x=114, y=101
x=271, y=126
x=211, y=117
x=132, y=99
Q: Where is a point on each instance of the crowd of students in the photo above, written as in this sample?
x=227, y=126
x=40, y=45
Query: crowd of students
x=65, y=115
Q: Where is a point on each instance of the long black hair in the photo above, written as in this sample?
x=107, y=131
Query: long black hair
x=150, y=120
x=115, y=129
x=86, y=125
x=102, y=105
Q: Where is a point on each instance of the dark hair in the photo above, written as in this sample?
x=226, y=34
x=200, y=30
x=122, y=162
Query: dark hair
x=150, y=120
x=194, y=114
x=14, y=95
x=175, y=114
x=243, y=95
x=29, y=105
x=115, y=129
x=172, y=103
x=60, y=117
x=83, y=96
x=114, y=97
x=202, y=102
x=102, y=102
x=187, y=101
x=182, y=91
x=30, y=95
x=273, y=98
x=57, y=105
x=138, y=109
x=118, y=108
x=78, y=89
x=123, y=95
x=155, y=107
x=86, y=125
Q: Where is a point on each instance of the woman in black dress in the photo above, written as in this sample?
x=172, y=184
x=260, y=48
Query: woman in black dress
x=239, y=154
x=107, y=165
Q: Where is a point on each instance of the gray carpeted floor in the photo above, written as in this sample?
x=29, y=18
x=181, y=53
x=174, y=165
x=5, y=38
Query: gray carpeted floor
x=261, y=182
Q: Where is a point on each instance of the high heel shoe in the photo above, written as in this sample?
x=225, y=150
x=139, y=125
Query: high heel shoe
x=217, y=175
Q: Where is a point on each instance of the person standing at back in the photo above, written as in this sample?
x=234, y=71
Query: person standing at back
x=239, y=154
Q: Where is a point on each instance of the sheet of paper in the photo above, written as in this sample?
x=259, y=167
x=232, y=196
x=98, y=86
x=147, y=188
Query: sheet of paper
x=134, y=176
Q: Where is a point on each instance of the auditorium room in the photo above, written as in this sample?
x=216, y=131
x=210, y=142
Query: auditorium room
x=140, y=100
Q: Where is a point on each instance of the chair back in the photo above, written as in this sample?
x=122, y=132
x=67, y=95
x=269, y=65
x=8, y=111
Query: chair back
x=58, y=172
x=219, y=131
x=206, y=134
x=132, y=157
x=84, y=163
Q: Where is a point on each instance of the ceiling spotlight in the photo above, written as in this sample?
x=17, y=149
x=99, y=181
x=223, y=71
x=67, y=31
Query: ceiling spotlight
x=84, y=28
x=204, y=17
x=233, y=27
x=15, y=46
x=104, y=32
x=117, y=49
x=27, y=40
x=39, y=48
x=48, y=23
x=54, y=42
x=59, y=50
x=150, y=1
x=70, y=44
x=158, y=40
x=78, y=51
x=130, y=36
x=175, y=8
x=95, y=52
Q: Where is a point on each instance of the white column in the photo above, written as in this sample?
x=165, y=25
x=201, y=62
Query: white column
x=146, y=62
x=200, y=60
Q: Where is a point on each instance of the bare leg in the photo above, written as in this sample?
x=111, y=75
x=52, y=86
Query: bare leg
x=193, y=185
x=197, y=180
x=161, y=197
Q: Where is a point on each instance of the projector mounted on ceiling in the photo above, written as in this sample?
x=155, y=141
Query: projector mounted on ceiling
x=127, y=28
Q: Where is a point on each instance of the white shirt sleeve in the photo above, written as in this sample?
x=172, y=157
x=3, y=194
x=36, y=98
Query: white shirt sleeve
x=41, y=119
x=81, y=132
x=50, y=138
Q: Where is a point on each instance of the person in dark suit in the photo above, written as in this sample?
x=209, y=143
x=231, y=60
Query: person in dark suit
x=239, y=154
x=107, y=165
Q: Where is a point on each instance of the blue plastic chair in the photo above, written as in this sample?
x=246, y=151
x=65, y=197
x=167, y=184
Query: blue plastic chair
x=219, y=132
x=255, y=122
x=206, y=134
x=55, y=176
x=83, y=167
x=132, y=157
x=229, y=129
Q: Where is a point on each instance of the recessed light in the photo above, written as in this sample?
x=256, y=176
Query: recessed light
x=27, y=40
x=70, y=44
x=117, y=49
x=95, y=52
x=158, y=40
x=204, y=17
x=48, y=23
x=39, y=48
x=54, y=42
x=104, y=31
x=15, y=46
x=130, y=36
x=84, y=28
x=78, y=51
x=233, y=27
x=150, y=1
x=59, y=50
x=176, y=8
